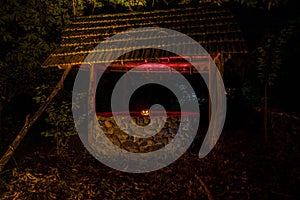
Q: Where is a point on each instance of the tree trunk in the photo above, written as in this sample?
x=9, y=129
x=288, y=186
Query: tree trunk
x=266, y=112
x=31, y=120
x=74, y=10
x=1, y=108
x=153, y=3
x=129, y=7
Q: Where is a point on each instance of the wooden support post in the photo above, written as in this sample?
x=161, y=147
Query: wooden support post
x=31, y=120
x=94, y=84
x=91, y=102
x=209, y=89
x=221, y=65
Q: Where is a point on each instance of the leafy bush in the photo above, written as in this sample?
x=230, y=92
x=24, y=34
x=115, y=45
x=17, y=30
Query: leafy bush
x=59, y=117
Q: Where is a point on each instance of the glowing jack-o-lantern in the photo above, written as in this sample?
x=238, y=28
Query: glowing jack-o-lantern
x=145, y=112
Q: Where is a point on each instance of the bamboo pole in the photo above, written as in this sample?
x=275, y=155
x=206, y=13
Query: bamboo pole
x=31, y=120
x=74, y=10
x=208, y=193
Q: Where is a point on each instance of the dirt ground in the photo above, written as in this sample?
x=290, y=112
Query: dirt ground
x=239, y=167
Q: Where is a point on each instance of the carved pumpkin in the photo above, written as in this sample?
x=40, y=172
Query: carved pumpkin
x=145, y=112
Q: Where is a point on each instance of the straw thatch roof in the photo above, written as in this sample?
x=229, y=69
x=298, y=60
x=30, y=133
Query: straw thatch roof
x=213, y=27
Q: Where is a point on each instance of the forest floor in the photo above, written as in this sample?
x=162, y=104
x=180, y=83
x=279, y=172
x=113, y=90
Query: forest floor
x=239, y=167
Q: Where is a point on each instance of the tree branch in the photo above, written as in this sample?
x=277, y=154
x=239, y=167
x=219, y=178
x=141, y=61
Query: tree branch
x=30, y=121
x=208, y=193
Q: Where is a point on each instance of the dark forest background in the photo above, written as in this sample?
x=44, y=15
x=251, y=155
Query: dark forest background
x=31, y=30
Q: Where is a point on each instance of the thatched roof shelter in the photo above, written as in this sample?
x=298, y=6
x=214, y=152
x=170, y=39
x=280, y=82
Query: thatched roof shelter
x=214, y=27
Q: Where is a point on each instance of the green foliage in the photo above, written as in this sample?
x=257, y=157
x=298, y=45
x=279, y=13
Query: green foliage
x=59, y=113
x=86, y=7
x=59, y=118
x=269, y=56
x=240, y=78
x=269, y=61
x=30, y=31
x=266, y=4
x=129, y=4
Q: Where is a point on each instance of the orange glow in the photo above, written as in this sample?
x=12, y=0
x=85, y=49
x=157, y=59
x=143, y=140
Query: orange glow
x=145, y=112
